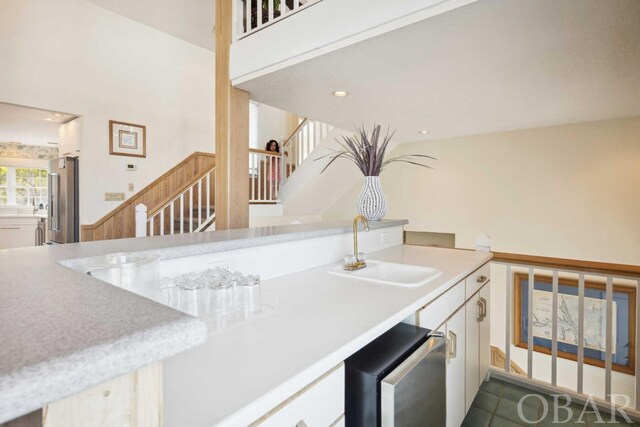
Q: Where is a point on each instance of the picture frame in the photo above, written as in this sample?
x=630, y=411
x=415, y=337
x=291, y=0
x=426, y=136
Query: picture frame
x=127, y=139
x=624, y=320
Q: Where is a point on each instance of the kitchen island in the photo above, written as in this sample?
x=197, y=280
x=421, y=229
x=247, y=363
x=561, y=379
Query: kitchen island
x=253, y=372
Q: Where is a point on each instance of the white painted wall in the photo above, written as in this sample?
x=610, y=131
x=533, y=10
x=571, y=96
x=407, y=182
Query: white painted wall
x=70, y=137
x=75, y=57
x=274, y=124
x=298, y=38
x=564, y=191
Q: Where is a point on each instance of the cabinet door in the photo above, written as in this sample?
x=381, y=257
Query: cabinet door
x=17, y=236
x=473, y=315
x=455, y=327
x=484, y=345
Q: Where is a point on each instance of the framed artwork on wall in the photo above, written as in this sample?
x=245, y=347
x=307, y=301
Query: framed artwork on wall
x=594, y=330
x=127, y=139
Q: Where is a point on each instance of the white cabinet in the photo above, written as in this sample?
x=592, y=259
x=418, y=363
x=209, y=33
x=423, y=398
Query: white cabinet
x=478, y=347
x=484, y=344
x=462, y=313
x=16, y=232
x=319, y=404
x=455, y=333
x=473, y=314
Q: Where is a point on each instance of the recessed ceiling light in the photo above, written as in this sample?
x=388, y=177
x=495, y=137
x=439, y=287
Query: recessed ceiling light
x=423, y=132
x=58, y=114
x=340, y=93
x=52, y=143
x=49, y=119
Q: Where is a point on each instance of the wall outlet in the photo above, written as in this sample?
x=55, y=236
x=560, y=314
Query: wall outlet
x=131, y=186
x=113, y=197
x=384, y=237
x=225, y=264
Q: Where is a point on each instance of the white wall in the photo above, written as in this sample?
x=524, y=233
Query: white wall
x=324, y=27
x=274, y=124
x=564, y=191
x=75, y=57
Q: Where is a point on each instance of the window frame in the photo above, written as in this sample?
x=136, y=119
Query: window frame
x=12, y=188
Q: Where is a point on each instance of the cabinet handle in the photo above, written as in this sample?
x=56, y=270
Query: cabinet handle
x=483, y=313
x=453, y=348
x=301, y=423
x=481, y=279
x=480, y=310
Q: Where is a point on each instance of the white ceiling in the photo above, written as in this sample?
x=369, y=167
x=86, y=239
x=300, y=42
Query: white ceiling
x=490, y=66
x=30, y=125
x=189, y=20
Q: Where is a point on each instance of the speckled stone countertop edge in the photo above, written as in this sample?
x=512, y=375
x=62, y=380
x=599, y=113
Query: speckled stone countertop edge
x=34, y=387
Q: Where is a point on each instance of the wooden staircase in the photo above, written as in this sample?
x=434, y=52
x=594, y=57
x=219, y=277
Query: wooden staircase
x=120, y=223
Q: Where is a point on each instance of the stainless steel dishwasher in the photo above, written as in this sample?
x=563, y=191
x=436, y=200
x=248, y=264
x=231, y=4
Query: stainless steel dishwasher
x=398, y=380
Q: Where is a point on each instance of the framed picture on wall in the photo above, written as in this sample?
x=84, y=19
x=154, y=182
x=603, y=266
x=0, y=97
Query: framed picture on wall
x=594, y=330
x=127, y=139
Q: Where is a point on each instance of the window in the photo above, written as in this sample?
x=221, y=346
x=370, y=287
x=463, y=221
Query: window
x=23, y=186
x=4, y=176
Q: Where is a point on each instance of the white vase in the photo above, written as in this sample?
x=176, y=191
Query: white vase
x=372, y=203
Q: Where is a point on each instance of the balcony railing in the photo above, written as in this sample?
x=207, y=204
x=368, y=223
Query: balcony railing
x=574, y=331
x=254, y=15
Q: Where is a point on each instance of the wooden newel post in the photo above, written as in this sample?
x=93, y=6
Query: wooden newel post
x=232, y=131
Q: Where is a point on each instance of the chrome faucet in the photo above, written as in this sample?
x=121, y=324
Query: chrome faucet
x=356, y=263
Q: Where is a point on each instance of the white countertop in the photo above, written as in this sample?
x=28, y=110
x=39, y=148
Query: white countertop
x=62, y=331
x=240, y=374
x=15, y=215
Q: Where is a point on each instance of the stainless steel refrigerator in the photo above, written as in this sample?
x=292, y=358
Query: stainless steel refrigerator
x=64, y=218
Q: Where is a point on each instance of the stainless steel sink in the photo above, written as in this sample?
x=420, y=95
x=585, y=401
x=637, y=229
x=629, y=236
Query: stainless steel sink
x=390, y=273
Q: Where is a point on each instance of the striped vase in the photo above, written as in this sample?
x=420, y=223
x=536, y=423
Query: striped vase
x=372, y=202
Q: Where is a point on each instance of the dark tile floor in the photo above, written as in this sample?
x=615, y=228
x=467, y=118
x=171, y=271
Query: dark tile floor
x=496, y=405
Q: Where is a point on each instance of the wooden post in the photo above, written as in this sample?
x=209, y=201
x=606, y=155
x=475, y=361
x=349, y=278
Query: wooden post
x=232, y=132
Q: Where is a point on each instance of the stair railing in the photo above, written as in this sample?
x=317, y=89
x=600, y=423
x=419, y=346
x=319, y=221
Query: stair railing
x=264, y=176
x=585, y=321
x=191, y=210
x=254, y=15
x=306, y=138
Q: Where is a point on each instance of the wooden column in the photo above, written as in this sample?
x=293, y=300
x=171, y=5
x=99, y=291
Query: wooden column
x=232, y=132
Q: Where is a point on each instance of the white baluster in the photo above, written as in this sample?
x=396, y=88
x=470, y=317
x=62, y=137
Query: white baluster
x=171, y=218
x=609, y=344
x=151, y=226
x=530, y=324
x=162, y=222
x=199, y=202
x=507, y=341
x=191, y=209
x=554, y=329
x=182, y=213
x=208, y=178
x=580, y=355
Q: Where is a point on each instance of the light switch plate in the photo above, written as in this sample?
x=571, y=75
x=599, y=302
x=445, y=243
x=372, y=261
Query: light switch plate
x=113, y=197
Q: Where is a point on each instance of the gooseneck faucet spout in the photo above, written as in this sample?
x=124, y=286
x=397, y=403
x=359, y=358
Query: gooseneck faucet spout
x=357, y=263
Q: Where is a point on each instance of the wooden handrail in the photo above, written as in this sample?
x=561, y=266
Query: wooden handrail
x=269, y=153
x=163, y=203
x=145, y=189
x=568, y=264
x=295, y=132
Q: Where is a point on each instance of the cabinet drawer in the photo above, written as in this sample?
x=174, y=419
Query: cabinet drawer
x=434, y=314
x=319, y=404
x=475, y=280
